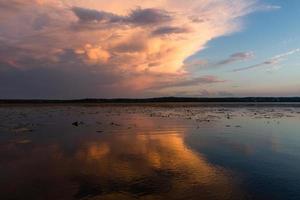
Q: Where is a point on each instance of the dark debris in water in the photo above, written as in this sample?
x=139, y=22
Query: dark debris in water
x=115, y=124
x=77, y=123
x=28, y=119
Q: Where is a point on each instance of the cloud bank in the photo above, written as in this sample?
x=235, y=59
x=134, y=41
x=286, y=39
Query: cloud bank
x=116, y=48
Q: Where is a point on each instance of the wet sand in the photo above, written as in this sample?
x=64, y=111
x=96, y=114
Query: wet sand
x=153, y=151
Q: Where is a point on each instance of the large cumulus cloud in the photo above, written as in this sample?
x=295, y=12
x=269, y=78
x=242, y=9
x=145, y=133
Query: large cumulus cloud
x=102, y=48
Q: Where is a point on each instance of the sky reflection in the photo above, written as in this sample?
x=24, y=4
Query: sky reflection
x=148, y=153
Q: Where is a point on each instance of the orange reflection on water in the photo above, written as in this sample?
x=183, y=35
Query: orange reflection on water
x=148, y=161
x=155, y=165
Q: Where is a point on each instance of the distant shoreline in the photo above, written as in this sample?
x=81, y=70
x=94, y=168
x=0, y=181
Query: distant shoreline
x=230, y=100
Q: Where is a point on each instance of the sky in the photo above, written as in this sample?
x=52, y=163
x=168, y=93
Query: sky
x=68, y=49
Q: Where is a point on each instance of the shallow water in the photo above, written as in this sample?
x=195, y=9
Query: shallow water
x=149, y=152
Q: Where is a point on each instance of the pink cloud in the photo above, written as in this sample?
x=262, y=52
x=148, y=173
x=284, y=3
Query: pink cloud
x=136, y=44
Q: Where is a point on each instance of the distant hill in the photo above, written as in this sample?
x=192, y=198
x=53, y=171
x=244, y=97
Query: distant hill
x=160, y=100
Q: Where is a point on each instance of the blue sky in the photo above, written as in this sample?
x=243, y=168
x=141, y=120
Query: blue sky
x=266, y=34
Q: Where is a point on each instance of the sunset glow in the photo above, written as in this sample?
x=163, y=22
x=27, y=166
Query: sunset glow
x=135, y=48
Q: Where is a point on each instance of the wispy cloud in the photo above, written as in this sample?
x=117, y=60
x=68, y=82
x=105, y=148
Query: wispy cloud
x=139, y=16
x=268, y=7
x=167, y=30
x=187, y=82
x=269, y=62
x=236, y=57
x=233, y=58
x=195, y=93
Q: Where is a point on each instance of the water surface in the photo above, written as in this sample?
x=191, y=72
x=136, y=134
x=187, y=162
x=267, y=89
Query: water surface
x=150, y=152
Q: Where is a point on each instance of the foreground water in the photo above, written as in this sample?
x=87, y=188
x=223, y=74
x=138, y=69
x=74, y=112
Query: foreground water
x=149, y=152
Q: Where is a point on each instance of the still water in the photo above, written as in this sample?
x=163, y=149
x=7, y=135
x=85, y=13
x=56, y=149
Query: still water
x=149, y=152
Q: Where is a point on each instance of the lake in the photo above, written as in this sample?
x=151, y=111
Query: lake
x=151, y=151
